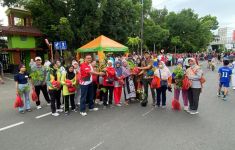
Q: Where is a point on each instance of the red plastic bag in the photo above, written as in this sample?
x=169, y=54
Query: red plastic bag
x=186, y=83
x=18, y=102
x=136, y=70
x=71, y=89
x=34, y=96
x=68, y=82
x=56, y=84
x=175, y=104
x=155, y=83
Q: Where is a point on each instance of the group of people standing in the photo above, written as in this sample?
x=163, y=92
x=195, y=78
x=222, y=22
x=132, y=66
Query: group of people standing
x=83, y=82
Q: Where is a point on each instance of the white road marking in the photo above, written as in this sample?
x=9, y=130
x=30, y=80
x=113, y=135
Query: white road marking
x=11, y=126
x=93, y=148
x=44, y=115
x=148, y=112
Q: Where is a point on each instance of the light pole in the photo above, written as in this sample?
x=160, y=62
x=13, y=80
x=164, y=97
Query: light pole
x=142, y=28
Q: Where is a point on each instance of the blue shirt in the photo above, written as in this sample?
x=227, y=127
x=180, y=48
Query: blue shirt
x=225, y=73
x=22, y=78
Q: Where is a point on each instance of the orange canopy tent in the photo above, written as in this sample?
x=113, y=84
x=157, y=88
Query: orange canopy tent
x=102, y=44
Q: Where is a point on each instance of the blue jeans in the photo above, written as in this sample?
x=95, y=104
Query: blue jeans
x=24, y=92
x=86, y=94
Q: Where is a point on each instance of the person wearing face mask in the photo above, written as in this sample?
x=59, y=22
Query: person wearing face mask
x=129, y=86
x=164, y=75
x=77, y=74
x=194, y=73
x=118, y=84
x=23, y=88
x=108, y=84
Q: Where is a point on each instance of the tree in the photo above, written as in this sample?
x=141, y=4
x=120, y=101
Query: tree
x=63, y=31
x=154, y=34
x=134, y=42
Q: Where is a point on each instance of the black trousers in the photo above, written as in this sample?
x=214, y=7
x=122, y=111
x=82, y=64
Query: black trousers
x=147, y=83
x=94, y=90
x=42, y=88
x=108, y=95
x=55, y=100
x=66, y=102
x=193, y=98
x=161, y=95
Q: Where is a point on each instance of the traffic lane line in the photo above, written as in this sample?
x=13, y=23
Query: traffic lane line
x=11, y=126
x=44, y=115
x=147, y=112
x=97, y=145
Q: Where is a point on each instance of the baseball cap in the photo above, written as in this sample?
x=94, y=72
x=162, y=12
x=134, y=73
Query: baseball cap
x=38, y=58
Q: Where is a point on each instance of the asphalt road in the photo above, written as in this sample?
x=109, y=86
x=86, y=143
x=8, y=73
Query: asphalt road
x=121, y=128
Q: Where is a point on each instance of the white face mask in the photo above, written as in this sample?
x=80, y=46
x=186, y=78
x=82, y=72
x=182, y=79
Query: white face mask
x=160, y=66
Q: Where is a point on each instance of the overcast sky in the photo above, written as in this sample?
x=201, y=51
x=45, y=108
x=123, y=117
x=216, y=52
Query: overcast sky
x=223, y=9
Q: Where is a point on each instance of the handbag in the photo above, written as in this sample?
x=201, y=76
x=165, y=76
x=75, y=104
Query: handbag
x=155, y=83
x=186, y=83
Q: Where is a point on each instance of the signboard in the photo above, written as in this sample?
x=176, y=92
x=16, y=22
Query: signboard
x=60, y=45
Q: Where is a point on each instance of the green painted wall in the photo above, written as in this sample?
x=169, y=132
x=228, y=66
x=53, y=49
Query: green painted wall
x=21, y=42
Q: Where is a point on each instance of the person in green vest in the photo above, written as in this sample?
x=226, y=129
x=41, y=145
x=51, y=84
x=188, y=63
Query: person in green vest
x=68, y=80
x=54, y=86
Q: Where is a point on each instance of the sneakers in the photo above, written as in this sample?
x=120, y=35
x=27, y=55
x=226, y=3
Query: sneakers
x=218, y=94
x=59, y=110
x=21, y=112
x=39, y=107
x=157, y=106
x=194, y=112
x=55, y=114
x=185, y=108
x=118, y=105
x=66, y=113
x=74, y=110
x=28, y=110
x=188, y=110
x=233, y=88
x=83, y=114
x=164, y=106
x=224, y=98
x=94, y=109
x=48, y=104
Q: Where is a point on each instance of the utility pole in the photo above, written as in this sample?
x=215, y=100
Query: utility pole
x=142, y=28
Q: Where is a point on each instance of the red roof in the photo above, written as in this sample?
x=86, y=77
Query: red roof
x=19, y=30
